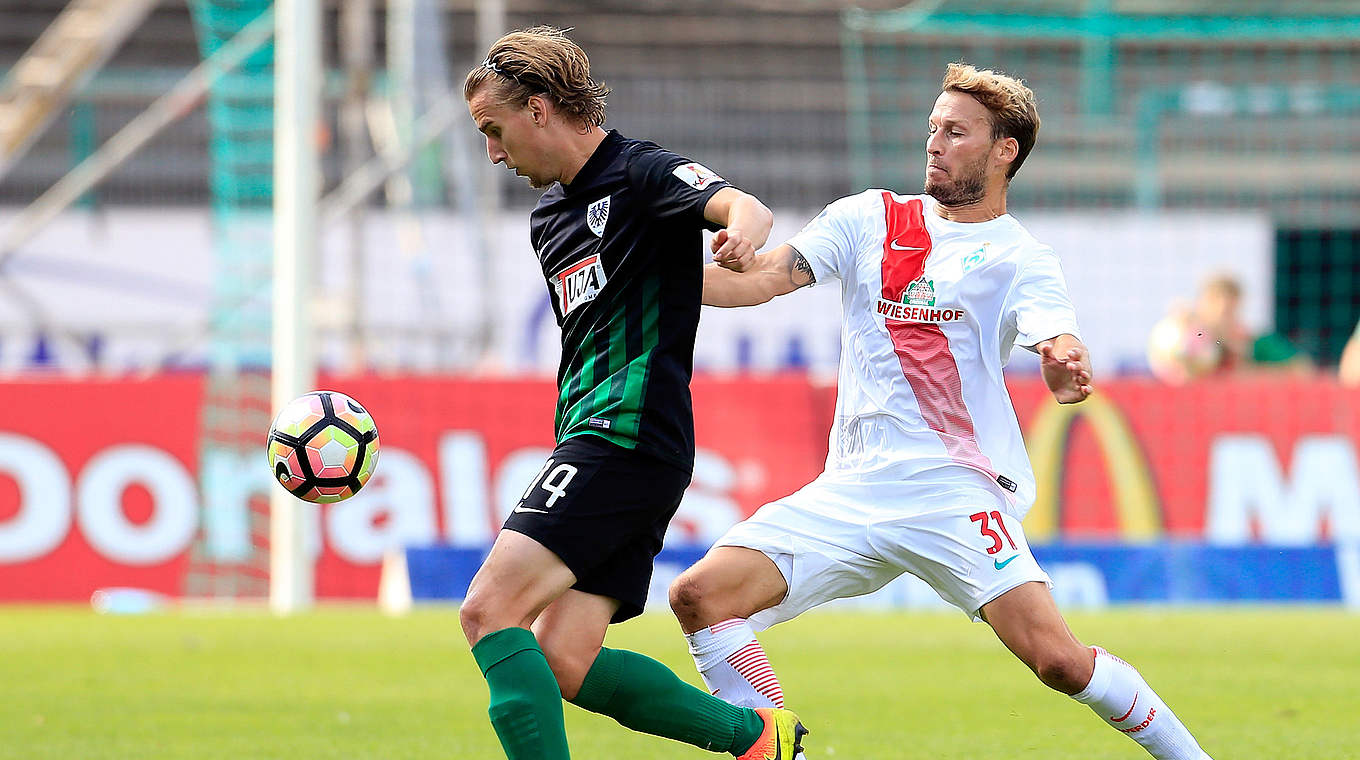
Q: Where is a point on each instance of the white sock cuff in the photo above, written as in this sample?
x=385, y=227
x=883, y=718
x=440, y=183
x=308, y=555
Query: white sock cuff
x=1100, y=677
x=717, y=642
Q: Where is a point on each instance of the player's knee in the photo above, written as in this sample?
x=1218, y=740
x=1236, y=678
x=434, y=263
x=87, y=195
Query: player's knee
x=478, y=618
x=471, y=617
x=1067, y=671
x=688, y=594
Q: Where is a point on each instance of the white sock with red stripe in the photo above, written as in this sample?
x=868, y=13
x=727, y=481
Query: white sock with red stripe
x=734, y=665
x=1120, y=696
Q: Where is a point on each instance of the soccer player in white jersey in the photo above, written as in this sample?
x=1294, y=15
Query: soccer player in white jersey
x=927, y=472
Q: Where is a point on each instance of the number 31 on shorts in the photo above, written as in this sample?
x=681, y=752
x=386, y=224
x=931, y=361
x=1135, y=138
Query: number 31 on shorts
x=985, y=521
x=554, y=482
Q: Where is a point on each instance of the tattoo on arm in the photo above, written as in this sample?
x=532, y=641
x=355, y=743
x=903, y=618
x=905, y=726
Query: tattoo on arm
x=801, y=266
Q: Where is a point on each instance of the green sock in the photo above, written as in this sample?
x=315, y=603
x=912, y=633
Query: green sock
x=526, y=704
x=644, y=695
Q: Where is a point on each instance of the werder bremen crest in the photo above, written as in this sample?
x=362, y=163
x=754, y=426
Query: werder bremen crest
x=976, y=258
x=921, y=292
x=597, y=215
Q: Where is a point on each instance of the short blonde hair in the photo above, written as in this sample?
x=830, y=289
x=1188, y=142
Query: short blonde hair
x=1011, y=103
x=1223, y=283
x=541, y=61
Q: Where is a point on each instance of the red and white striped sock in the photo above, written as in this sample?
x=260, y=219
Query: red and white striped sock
x=1120, y=696
x=734, y=665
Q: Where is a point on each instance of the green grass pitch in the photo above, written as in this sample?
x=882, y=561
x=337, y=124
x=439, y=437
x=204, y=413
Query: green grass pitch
x=1253, y=684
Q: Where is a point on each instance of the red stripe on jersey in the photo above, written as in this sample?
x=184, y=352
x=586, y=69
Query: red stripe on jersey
x=921, y=347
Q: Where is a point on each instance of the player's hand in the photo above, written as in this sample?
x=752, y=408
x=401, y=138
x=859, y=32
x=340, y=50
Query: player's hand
x=1068, y=375
x=733, y=250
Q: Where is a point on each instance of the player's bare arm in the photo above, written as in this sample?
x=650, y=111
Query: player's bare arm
x=773, y=273
x=1066, y=367
x=746, y=226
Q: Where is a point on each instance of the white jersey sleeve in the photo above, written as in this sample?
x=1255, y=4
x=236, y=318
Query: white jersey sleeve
x=830, y=241
x=1037, y=307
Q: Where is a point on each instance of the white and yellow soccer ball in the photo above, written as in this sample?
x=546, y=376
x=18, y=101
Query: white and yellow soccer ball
x=323, y=447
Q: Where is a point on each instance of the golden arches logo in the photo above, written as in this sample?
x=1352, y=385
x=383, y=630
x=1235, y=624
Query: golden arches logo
x=1137, y=507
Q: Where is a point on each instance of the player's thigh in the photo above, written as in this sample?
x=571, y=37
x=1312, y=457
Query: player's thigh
x=518, y=580
x=969, y=556
x=730, y=581
x=592, y=496
x=571, y=631
x=818, y=543
x=603, y=510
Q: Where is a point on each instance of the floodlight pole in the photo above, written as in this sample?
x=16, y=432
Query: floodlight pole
x=297, y=94
x=490, y=26
x=356, y=50
x=484, y=209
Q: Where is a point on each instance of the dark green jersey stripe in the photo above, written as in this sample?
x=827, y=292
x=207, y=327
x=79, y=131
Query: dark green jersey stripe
x=619, y=340
x=585, y=394
x=635, y=382
x=611, y=385
x=618, y=359
x=569, y=398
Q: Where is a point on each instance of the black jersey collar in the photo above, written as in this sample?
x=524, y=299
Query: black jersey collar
x=604, y=153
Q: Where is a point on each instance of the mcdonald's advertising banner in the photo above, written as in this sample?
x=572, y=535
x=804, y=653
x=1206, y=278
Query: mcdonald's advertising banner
x=1245, y=490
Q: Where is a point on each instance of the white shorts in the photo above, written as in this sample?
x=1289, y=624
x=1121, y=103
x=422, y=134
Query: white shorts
x=829, y=544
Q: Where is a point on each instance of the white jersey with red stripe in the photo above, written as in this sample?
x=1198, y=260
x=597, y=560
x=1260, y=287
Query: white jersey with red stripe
x=932, y=309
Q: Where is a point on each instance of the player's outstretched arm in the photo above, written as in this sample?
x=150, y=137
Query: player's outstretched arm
x=773, y=273
x=1066, y=366
x=746, y=226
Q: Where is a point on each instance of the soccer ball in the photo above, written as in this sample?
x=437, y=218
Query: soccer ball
x=323, y=447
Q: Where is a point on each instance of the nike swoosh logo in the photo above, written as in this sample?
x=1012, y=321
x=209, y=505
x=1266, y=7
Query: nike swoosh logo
x=893, y=245
x=544, y=512
x=1000, y=565
x=1121, y=718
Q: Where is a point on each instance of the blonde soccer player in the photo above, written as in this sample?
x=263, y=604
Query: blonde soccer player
x=618, y=233
x=927, y=472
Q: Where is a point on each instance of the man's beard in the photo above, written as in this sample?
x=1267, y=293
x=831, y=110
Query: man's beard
x=971, y=186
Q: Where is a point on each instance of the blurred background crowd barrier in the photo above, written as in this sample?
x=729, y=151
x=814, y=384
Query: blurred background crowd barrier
x=1198, y=172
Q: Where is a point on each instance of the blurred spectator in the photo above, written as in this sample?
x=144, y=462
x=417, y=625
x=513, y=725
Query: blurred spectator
x=1349, y=371
x=1205, y=338
x=1209, y=338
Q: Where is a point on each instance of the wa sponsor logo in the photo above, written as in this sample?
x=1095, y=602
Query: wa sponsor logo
x=579, y=283
x=597, y=216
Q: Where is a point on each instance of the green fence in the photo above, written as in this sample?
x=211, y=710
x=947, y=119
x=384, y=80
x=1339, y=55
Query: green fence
x=236, y=404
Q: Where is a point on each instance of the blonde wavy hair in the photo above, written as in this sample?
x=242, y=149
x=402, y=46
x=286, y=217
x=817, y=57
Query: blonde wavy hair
x=541, y=60
x=1011, y=103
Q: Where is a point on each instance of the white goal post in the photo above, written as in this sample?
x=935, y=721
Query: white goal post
x=297, y=107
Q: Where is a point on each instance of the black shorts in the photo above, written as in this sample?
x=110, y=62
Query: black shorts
x=603, y=510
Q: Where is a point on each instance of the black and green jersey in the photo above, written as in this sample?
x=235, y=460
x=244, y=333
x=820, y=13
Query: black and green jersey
x=621, y=248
